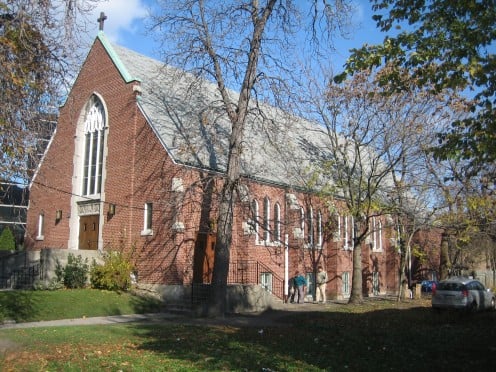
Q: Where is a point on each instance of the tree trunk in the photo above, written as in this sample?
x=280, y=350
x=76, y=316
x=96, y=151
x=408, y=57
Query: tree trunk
x=356, y=296
x=217, y=300
x=401, y=270
x=237, y=116
x=444, y=259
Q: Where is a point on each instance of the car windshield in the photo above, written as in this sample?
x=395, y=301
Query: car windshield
x=450, y=286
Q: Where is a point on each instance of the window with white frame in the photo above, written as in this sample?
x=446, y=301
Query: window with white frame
x=345, y=285
x=147, y=218
x=376, y=234
x=302, y=223
x=266, y=281
x=41, y=227
x=94, y=136
x=310, y=227
x=266, y=219
x=379, y=235
x=277, y=222
x=348, y=232
x=310, y=278
x=346, y=228
x=319, y=230
x=254, y=218
x=338, y=232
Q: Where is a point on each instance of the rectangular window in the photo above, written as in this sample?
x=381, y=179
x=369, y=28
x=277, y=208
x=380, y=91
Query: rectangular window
x=41, y=227
x=148, y=213
x=266, y=281
x=346, y=284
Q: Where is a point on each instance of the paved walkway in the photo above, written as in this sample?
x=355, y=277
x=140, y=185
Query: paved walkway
x=272, y=317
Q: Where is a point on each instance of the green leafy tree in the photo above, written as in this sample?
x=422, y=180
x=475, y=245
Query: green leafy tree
x=7, y=241
x=444, y=44
x=39, y=50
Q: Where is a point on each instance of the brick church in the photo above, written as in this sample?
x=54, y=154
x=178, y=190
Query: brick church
x=136, y=164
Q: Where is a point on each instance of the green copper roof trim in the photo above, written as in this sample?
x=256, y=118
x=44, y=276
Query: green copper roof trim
x=115, y=58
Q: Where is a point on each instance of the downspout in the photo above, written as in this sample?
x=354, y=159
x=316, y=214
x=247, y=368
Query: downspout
x=286, y=267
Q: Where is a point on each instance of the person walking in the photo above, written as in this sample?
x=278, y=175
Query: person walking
x=321, y=285
x=301, y=284
x=292, y=289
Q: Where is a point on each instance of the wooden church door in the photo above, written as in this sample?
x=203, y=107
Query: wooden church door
x=88, y=232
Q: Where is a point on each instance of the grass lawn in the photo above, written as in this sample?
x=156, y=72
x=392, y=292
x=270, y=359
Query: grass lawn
x=380, y=335
x=29, y=306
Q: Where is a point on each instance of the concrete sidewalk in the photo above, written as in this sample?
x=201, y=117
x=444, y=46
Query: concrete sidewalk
x=272, y=317
x=113, y=319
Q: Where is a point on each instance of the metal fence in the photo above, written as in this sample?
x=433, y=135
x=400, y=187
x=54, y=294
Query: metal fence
x=243, y=272
x=23, y=277
x=250, y=272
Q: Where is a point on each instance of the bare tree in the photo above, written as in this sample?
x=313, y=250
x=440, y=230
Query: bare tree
x=412, y=199
x=246, y=46
x=375, y=141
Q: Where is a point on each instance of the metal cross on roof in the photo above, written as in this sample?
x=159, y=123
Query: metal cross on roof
x=101, y=20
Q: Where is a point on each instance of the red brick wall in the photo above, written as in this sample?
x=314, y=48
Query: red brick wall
x=139, y=171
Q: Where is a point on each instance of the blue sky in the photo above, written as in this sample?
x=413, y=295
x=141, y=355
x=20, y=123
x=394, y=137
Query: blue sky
x=125, y=27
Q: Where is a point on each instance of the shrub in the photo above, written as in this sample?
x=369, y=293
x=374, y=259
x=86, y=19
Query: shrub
x=52, y=285
x=114, y=274
x=75, y=273
x=7, y=240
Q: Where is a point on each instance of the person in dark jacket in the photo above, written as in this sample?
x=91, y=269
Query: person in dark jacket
x=300, y=284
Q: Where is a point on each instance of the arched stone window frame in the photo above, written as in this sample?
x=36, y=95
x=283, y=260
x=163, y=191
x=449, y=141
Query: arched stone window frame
x=92, y=117
x=95, y=125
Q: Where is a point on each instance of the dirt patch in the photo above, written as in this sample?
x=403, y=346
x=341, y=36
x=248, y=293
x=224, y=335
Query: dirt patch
x=7, y=345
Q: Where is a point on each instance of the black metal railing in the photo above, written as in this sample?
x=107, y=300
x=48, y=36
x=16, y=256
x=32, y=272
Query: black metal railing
x=243, y=272
x=23, y=277
x=250, y=272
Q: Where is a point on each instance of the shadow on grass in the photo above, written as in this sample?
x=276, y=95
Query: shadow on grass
x=388, y=339
x=146, y=304
x=17, y=305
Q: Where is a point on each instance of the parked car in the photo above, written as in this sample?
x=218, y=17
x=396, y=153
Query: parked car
x=463, y=294
x=428, y=285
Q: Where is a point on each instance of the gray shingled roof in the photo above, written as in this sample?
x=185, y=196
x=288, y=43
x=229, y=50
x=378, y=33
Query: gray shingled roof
x=187, y=116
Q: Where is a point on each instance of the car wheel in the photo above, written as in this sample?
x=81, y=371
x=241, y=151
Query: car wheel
x=493, y=305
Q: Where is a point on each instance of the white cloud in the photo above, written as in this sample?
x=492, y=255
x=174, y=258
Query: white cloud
x=123, y=16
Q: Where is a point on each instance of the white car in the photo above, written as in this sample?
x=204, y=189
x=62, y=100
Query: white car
x=462, y=294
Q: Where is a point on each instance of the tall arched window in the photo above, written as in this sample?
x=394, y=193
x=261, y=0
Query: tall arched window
x=277, y=222
x=266, y=220
x=302, y=222
x=94, y=135
x=254, y=218
x=310, y=227
x=319, y=230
